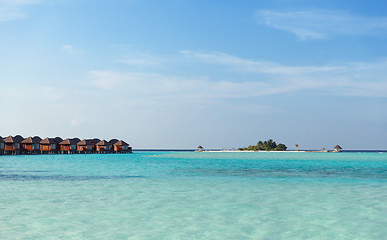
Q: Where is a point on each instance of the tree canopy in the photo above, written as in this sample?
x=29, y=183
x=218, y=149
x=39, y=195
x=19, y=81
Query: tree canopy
x=268, y=145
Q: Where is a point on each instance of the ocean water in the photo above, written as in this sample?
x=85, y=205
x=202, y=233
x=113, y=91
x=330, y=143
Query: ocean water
x=188, y=195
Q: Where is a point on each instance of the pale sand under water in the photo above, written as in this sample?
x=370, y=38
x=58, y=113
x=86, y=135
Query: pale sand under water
x=191, y=195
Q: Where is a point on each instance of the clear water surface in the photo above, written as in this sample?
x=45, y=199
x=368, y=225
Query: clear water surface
x=187, y=195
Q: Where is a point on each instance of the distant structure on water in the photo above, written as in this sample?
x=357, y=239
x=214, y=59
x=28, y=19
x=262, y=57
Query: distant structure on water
x=35, y=145
x=337, y=148
x=199, y=149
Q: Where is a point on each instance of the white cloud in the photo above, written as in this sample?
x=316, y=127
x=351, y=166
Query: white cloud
x=247, y=65
x=320, y=24
x=167, y=88
x=70, y=49
x=77, y=122
x=12, y=9
x=355, y=78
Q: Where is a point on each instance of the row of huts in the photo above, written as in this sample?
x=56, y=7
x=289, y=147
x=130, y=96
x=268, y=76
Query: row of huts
x=35, y=145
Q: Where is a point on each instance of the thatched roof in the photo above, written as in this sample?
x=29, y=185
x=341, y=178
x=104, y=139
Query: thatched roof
x=1, y=139
x=8, y=139
x=16, y=139
x=48, y=141
x=121, y=143
x=28, y=141
x=68, y=141
x=95, y=140
x=103, y=143
x=74, y=141
x=337, y=147
x=58, y=139
x=32, y=140
x=200, y=147
x=65, y=142
x=113, y=141
x=36, y=139
x=85, y=142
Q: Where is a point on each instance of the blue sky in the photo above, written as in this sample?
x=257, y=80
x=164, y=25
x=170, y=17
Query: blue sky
x=179, y=73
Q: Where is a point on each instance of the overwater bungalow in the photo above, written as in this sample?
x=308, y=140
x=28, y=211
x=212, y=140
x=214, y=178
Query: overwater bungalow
x=69, y=145
x=12, y=145
x=58, y=140
x=121, y=147
x=85, y=146
x=103, y=147
x=30, y=145
x=112, y=142
x=1, y=146
x=199, y=148
x=64, y=146
x=73, y=143
x=95, y=141
x=49, y=145
x=27, y=145
x=337, y=148
x=36, y=142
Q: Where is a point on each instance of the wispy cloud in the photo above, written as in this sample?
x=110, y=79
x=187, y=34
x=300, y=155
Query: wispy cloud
x=247, y=65
x=320, y=24
x=12, y=9
x=159, y=92
x=351, y=78
x=143, y=89
x=70, y=49
x=77, y=122
x=138, y=85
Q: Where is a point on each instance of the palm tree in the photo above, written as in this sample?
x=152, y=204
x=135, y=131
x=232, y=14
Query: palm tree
x=296, y=147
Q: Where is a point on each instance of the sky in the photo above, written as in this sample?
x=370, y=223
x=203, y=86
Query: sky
x=183, y=73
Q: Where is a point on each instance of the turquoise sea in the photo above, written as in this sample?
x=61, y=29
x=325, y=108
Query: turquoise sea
x=190, y=195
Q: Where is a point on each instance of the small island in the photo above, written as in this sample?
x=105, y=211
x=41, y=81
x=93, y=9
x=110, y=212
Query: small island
x=268, y=145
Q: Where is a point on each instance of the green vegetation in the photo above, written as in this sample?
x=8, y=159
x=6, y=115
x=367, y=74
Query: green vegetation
x=269, y=145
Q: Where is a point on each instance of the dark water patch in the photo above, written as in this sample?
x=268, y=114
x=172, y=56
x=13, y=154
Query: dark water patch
x=345, y=172
x=19, y=177
x=27, y=171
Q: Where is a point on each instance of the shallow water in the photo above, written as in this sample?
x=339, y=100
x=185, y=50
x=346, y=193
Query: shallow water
x=186, y=195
